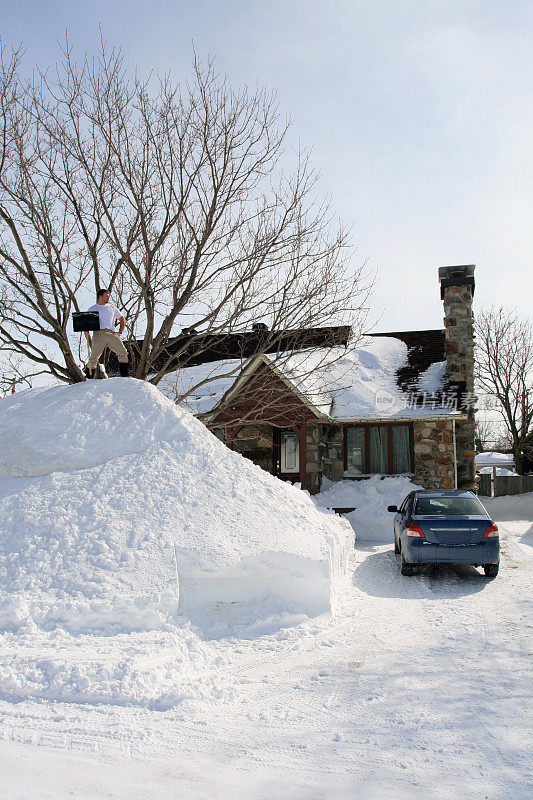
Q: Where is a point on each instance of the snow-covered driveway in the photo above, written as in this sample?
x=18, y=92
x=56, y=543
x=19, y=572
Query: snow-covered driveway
x=418, y=688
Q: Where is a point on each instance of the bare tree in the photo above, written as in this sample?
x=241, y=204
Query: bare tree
x=16, y=374
x=484, y=433
x=504, y=363
x=174, y=196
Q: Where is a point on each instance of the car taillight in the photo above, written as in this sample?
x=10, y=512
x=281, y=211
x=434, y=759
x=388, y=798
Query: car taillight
x=415, y=530
x=491, y=531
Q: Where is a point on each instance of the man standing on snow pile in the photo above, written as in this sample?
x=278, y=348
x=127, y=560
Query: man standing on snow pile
x=107, y=336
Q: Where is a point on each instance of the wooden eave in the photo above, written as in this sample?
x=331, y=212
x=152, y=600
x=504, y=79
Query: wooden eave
x=192, y=349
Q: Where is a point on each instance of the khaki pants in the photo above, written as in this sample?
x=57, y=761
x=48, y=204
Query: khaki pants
x=103, y=339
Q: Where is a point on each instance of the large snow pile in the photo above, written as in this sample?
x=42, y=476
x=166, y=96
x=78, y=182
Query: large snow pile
x=371, y=521
x=122, y=514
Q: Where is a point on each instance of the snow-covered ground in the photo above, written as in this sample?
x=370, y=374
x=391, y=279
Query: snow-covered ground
x=416, y=687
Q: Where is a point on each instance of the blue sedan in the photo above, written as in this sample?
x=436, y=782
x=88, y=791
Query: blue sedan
x=451, y=527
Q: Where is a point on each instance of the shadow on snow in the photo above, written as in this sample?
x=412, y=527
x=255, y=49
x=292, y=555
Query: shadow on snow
x=379, y=575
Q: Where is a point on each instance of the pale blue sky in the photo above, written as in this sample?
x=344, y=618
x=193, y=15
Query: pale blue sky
x=419, y=113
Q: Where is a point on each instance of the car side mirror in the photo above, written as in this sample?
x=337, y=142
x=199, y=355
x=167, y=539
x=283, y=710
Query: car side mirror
x=392, y=508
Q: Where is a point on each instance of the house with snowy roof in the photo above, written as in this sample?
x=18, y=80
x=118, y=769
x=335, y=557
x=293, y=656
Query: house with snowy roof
x=397, y=403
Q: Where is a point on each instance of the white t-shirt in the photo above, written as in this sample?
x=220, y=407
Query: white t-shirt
x=108, y=314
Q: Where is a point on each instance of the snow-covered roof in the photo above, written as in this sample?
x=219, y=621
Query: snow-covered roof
x=336, y=383
x=202, y=386
x=494, y=459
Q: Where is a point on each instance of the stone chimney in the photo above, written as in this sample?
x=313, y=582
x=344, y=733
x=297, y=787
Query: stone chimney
x=457, y=291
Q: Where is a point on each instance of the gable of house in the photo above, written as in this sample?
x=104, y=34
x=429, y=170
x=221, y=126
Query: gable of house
x=264, y=395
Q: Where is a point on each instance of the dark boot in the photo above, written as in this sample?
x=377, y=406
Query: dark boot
x=124, y=369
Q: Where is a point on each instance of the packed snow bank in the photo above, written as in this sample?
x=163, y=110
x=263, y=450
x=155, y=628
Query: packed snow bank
x=119, y=503
x=514, y=516
x=371, y=521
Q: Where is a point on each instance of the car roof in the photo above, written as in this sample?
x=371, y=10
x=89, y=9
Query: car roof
x=444, y=493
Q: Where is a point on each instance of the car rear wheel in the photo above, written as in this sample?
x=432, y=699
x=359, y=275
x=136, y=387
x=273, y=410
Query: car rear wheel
x=407, y=568
x=491, y=570
x=396, y=548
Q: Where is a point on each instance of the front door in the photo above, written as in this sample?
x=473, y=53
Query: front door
x=286, y=455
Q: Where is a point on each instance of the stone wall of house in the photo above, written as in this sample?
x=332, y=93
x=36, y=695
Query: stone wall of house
x=459, y=348
x=332, y=452
x=314, y=457
x=255, y=442
x=433, y=451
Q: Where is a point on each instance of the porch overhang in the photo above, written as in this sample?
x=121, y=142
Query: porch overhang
x=392, y=420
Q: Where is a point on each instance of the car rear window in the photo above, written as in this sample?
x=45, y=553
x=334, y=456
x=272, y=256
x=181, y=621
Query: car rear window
x=448, y=505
